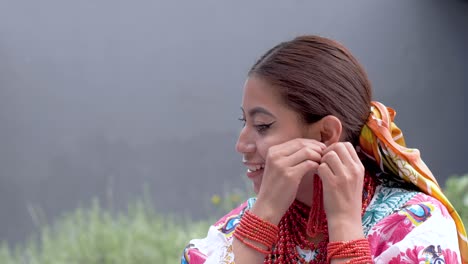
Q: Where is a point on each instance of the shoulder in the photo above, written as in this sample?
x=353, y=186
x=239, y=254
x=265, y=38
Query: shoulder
x=394, y=205
x=228, y=222
x=415, y=228
x=386, y=201
x=217, y=243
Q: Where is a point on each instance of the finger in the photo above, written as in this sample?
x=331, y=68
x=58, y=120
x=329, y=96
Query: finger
x=334, y=163
x=304, y=167
x=352, y=152
x=325, y=172
x=289, y=147
x=305, y=153
x=343, y=154
x=314, y=142
x=330, y=148
x=346, y=153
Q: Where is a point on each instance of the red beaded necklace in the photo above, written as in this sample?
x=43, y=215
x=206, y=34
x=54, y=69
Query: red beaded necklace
x=295, y=225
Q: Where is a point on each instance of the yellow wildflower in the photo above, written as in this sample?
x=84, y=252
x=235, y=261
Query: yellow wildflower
x=215, y=199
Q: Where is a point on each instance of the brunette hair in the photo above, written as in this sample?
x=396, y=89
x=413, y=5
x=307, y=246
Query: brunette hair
x=316, y=77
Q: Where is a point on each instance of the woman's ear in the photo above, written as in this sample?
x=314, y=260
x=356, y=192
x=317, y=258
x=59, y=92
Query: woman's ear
x=330, y=129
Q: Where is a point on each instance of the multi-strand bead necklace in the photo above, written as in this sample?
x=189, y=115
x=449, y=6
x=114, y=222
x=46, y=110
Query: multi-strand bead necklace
x=294, y=226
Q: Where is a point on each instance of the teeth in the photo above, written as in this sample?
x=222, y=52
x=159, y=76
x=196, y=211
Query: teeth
x=255, y=167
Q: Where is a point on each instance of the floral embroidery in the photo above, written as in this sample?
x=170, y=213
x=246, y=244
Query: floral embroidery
x=417, y=213
x=228, y=256
x=410, y=256
x=389, y=223
x=426, y=199
x=386, y=201
x=429, y=255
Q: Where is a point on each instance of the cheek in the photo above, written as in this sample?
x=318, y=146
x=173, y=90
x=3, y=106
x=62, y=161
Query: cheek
x=262, y=148
x=265, y=143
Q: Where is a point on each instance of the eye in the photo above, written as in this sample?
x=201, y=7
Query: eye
x=262, y=128
x=242, y=119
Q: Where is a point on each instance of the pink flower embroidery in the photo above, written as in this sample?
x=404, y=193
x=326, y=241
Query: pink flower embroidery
x=395, y=260
x=450, y=256
x=412, y=254
x=409, y=256
x=389, y=231
x=377, y=245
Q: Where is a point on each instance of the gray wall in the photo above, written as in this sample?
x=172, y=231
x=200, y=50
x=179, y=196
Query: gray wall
x=98, y=98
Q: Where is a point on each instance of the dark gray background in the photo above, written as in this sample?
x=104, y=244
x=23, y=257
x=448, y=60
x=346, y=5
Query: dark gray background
x=98, y=98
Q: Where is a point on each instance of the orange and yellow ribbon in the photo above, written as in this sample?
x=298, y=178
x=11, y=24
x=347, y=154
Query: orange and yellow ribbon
x=383, y=141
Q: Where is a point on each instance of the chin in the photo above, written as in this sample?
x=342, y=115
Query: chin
x=256, y=188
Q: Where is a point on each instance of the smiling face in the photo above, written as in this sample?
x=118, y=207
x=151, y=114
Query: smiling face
x=267, y=122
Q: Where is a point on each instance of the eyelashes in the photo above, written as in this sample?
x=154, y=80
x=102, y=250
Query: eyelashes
x=261, y=128
x=242, y=119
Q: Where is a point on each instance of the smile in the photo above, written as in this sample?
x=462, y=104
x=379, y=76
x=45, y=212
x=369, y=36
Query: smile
x=254, y=168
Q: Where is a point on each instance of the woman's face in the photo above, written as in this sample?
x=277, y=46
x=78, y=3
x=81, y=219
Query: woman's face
x=267, y=122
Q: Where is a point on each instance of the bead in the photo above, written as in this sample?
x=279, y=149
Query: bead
x=280, y=241
x=252, y=228
x=358, y=250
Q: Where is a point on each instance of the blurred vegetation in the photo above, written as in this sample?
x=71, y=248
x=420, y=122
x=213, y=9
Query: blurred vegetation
x=229, y=199
x=141, y=235
x=94, y=236
x=456, y=190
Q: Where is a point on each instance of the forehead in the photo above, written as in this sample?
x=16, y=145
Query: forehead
x=259, y=93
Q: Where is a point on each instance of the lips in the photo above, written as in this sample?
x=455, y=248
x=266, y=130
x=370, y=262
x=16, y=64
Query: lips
x=254, y=169
x=255, y=173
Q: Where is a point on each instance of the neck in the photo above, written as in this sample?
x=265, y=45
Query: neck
x=305, y=192
x=305, y=198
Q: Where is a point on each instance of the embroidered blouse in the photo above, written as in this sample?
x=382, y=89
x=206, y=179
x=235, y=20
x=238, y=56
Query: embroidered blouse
x=402, y=226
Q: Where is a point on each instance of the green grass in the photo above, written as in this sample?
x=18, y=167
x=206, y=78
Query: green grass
x=95, y=236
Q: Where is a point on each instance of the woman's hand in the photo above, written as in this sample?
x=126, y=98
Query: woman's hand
x=285, y=166
x=342, y=175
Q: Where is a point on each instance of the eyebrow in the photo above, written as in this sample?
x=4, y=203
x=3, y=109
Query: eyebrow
x=259, y=110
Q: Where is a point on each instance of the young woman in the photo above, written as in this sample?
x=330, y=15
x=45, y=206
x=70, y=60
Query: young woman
x=334, y=180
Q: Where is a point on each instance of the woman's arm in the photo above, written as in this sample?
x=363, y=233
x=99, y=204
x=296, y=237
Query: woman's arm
x=247, y=254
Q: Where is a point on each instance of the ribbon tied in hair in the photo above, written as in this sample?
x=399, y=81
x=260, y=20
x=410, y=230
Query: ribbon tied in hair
x=382, y=141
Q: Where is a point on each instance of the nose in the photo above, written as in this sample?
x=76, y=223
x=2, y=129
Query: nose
x=244, y=143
